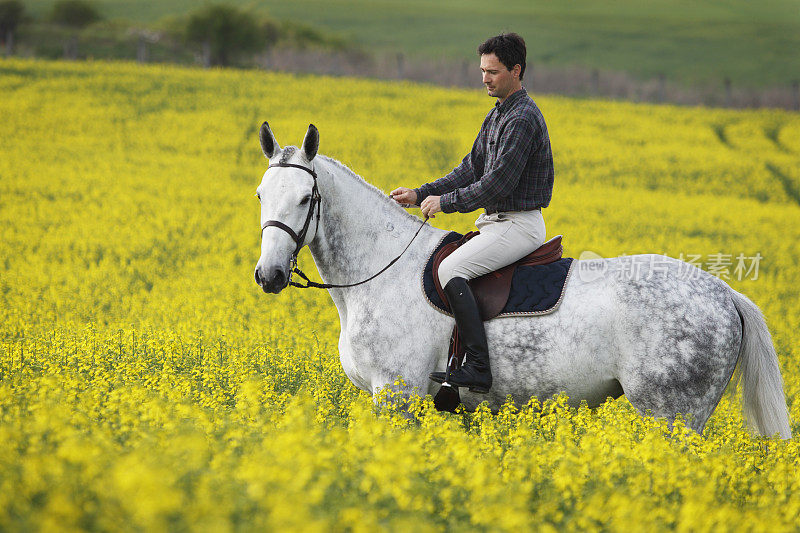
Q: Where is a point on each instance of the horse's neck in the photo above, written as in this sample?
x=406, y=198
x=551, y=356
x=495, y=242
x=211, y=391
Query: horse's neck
x=361, y=230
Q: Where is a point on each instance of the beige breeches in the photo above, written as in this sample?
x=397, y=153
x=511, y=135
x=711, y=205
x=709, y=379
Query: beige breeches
x=505, y=238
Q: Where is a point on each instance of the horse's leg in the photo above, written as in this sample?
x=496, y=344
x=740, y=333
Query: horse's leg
x=394, y=367
x=391, y=354
x=399, y=394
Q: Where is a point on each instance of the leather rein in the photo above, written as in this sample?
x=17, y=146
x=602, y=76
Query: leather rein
x=300, y=238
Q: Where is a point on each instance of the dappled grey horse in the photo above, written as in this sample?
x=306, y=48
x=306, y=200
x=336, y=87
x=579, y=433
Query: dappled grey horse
x=668, y=337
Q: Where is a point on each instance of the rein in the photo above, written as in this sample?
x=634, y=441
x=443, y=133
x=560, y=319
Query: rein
x=300, y=238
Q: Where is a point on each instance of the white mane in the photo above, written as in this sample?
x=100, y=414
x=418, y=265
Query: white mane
x=368, y=186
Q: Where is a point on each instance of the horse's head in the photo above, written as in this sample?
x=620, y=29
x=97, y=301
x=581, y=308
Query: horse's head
x=289, y=207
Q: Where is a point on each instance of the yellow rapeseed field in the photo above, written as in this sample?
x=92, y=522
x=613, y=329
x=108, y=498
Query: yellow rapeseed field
x=146, y=383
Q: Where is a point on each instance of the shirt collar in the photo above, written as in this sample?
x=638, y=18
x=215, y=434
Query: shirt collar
x=509, y=102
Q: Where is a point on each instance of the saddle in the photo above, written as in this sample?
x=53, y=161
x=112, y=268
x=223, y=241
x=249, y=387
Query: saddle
x=492, y=290
x=534, y=285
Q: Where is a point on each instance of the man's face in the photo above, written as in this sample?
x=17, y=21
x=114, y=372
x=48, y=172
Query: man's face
x=499, y=81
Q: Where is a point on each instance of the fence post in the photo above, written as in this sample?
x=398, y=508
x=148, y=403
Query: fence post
x=141, y=50
x=596, y=82
x=796, y=93
x=728, y=96
x=206, y=54
x=662, y=90
x=334, y=65
x=400, y=66
x=71, y=48
x=529, y=72
x=267, y=58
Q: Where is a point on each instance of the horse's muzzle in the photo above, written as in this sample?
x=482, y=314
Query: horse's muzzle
x=274, y=280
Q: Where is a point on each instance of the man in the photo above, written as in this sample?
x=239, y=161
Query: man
x=509, y=173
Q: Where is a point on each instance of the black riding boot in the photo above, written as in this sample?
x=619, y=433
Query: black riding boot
x=475, y=372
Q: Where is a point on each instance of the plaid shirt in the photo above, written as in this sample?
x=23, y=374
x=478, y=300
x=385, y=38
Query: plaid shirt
x=510, y=167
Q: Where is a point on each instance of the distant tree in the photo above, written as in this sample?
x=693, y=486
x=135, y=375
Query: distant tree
x=225, y=31
x=304, y=36
x=11, y=14
x=74, y=13
x=271, y=32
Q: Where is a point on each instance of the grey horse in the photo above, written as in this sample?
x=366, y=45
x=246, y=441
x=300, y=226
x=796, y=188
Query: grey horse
x=664, y=333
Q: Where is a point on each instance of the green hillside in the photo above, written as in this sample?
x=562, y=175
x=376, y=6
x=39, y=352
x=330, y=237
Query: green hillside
x=754, y=44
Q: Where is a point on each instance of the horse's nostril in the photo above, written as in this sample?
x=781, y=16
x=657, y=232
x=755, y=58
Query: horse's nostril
x=258, y=279
x=278, y=279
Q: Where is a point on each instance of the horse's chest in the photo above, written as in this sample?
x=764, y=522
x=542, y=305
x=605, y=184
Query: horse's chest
x=351, y=368
x=359, y=352
x=370, y=346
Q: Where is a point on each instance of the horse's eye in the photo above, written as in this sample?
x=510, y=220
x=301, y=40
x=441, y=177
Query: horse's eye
x=305, y=200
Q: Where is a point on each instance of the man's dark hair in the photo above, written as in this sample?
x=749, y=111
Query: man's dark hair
x=509, y=49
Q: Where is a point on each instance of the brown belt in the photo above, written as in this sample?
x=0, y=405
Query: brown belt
x=492, y=211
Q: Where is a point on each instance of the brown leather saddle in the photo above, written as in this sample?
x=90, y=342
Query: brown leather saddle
x=491, y=290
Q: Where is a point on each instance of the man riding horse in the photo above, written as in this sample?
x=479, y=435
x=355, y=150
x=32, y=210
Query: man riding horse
x=509, y=173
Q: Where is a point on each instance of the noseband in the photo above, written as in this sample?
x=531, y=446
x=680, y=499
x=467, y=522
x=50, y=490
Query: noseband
x=300, y=238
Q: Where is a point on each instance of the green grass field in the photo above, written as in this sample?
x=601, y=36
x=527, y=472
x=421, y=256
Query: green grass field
x=754, y=44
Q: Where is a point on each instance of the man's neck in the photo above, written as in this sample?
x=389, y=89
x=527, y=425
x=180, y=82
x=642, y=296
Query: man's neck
x=515, y=89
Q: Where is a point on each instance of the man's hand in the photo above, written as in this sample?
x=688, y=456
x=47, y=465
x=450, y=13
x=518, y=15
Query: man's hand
x=404, y=196
x=431, y=205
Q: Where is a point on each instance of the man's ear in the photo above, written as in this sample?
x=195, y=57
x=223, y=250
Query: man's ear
x=268, y=143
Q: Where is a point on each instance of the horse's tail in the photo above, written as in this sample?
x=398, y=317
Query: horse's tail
x=762, y=395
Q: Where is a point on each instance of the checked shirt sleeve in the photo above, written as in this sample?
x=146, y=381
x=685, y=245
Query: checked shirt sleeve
x=515, y=144
x=461, y=176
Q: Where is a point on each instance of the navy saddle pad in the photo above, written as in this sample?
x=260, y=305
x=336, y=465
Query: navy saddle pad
x=535, y=290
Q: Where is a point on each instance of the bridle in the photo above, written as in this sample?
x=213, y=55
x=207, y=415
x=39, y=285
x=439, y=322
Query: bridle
x=300, y=238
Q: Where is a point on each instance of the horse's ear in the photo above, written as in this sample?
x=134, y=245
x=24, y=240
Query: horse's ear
x=268, y=143
x=311, y=142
